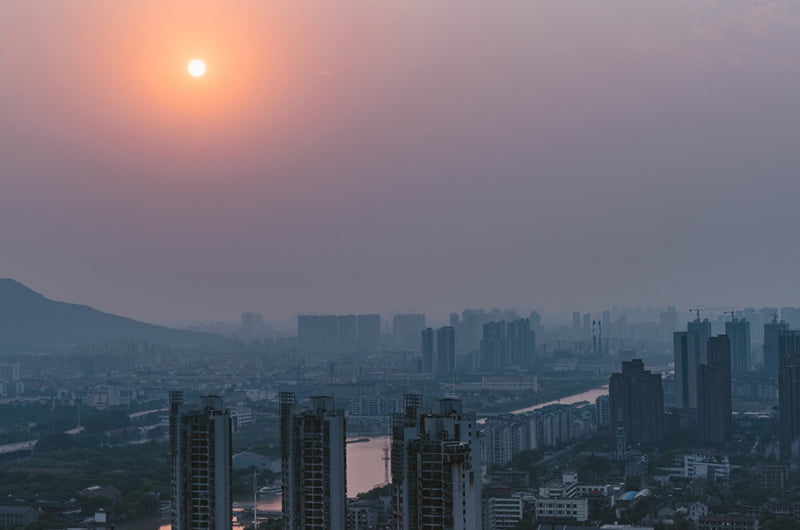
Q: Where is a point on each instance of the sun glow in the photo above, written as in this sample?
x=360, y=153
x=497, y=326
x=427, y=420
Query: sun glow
x=197, y=68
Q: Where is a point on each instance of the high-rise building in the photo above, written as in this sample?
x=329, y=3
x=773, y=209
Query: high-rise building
x=576, y=324
x=200, y=455
x=369, y=333
x=587, y=326
x=702, y=329
x=446, y=351
x=455, y=321
x=406, y=329
x=668, y=322
x=772, y=331
x=313, y=464
x=469, y=329
x=521, y=343
x=428, y=350
x=636, y=403
x=791, y=315
x=686, y=363
x=176, y=484
x=606, y=322
x=789, y=388
x=436, y=468
x=536, y=322
x=494, y=348
x=348, y=334
x=602, y=412
x=738, y=331
x=252, y=325
x=788, y=344
x=318, y=333
x=714, y=407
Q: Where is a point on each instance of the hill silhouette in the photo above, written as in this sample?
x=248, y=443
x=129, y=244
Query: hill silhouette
x=32, y=322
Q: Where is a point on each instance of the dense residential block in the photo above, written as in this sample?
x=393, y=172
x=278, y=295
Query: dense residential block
x=636, y=403
x=436, y=467
x=200, y=454
x=313, y=464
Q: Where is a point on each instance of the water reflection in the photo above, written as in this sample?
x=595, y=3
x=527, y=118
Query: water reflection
x=365, y=471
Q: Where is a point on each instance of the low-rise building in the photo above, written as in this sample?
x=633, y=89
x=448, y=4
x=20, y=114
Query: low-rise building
x=697, y=510
x=772, y=476
x=702, y=466
x=549, y=509
x=12, y=516
x=558, y=500
x=727, y=522
x=503, y=512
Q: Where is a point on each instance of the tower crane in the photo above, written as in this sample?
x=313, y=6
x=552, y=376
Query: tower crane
x=697, y=310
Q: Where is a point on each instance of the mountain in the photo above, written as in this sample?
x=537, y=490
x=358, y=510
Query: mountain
x=32, y=322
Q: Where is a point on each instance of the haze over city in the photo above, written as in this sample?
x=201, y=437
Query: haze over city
x=417, y=156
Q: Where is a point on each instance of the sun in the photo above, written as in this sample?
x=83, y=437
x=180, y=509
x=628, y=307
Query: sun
x=197, y=68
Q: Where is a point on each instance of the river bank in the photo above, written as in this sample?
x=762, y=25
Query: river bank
x=560, y=390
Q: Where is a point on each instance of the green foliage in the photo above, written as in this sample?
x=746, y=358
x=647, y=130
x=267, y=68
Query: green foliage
x=140, y=472
x=778, y=523
x=375, y=493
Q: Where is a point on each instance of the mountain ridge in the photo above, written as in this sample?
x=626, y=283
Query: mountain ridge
x=29, y=321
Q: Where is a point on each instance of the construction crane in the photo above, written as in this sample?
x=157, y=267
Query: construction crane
x=732, y=313
x=697, y=310
x=387, y=458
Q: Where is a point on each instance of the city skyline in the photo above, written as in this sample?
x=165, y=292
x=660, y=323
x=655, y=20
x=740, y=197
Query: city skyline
x=411, y=265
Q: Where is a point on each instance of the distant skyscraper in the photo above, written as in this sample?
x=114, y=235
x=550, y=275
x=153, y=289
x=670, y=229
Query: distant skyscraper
x=606, y=323
x=252, y=325
x=348, y=334
x=714, y=407
x=436, y=468
x=521, y=343
x=576, y=324
x=494, y=348
x=622, y=325
x=587, y=326
x=636, y=403
x=428, y=350
x=669, y=321
x=686, y=362
x=536, y=323
x=469, y=331
x=791, y=315
x=369, y=333
x=445, y=351
x=702, y=328
x=313, y=468
x=772, y=331
x=318, y=333
x=454, y=320
x=200, y=454
x=406, y=329
x=738, y=330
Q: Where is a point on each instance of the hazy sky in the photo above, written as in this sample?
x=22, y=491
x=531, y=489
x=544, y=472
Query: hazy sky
x=357, y=156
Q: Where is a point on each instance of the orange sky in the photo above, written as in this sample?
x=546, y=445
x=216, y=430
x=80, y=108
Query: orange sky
x=360, y=156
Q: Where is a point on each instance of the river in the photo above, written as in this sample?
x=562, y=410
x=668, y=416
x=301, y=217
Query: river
x=365, y=466
x=365, y=471
x=589, y=395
